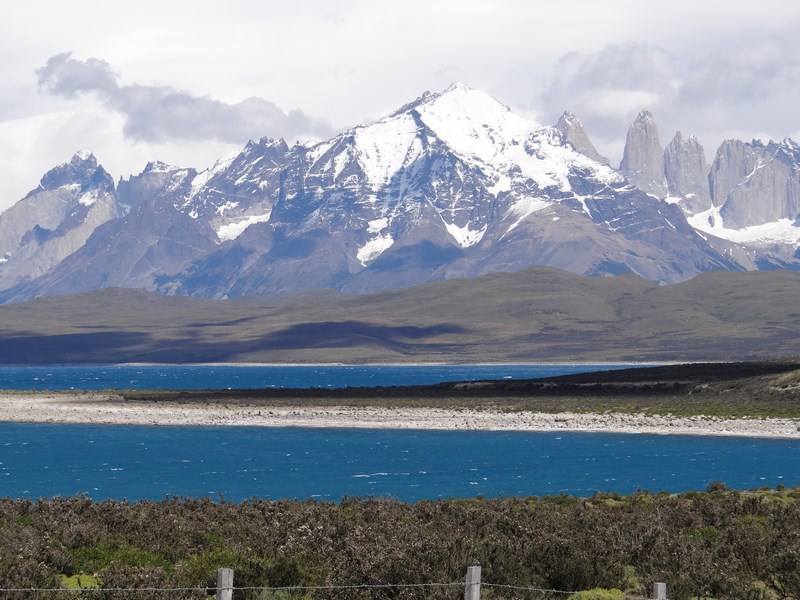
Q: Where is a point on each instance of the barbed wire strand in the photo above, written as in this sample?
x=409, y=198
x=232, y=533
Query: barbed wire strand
x=304, y=588
x=520, y=588
x=242, y=588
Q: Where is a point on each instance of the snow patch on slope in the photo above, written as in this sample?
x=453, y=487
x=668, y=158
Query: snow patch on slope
x=525, y=207
x=385, y=147
x=202, y=178
x=231, y=231
x=374, y=248
x=377, y=225
x=464, y=236
x=177, y=180
x=229, y=205
x=89, y=198
x=782, y=231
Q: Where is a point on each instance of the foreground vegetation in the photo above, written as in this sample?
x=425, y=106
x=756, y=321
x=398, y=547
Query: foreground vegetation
x=715, y=544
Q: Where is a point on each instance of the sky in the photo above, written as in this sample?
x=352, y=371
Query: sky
x=187, y=82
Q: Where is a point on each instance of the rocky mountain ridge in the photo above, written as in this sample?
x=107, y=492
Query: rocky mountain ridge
x=450, y=185
x=643, y=157
x=686, y=173
x=55, y=219
x=748, y=198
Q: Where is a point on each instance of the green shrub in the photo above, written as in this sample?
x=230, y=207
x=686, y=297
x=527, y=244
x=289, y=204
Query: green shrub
x=598, y=594
x=93, y=559
x=79, y=581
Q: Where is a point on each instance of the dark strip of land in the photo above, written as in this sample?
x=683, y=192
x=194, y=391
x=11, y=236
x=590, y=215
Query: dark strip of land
x=754, y=389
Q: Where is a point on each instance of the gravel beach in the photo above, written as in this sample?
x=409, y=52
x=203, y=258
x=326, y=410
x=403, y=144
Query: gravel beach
x=102, y=408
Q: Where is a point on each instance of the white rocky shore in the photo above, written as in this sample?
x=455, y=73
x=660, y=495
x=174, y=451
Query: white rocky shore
x=110, y=409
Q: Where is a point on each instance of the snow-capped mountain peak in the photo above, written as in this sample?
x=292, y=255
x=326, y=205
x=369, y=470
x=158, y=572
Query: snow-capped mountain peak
x=473, y=123
x=157, y=166
x=82, y=171
x=56, y=218
x=453, y=184
x=457, y=152
x=219, y=166
x=84, y=155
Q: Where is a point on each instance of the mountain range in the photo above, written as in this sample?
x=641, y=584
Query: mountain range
x=451, y=185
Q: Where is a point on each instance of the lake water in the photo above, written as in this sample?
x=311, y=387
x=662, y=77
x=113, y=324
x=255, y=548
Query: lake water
x=134, y=462
x=42, y=460
x=151, y=377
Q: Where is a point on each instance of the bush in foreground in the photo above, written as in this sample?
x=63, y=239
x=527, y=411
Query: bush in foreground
x=723, y=544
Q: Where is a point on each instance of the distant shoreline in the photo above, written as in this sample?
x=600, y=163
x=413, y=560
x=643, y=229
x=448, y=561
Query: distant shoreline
x=546, y=363
x=110, y=409
x=756, y=399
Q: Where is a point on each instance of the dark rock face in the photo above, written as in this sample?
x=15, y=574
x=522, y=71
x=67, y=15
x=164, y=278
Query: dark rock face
x=137, y=189
x=55, y=219
x=243, y=186
x=572, y=129
x=153, y=240
x=686, y=172
x=643, y=157
x=756, y=184
x=81, y=170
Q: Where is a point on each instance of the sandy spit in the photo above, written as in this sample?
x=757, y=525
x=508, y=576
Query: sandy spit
x=113, y=410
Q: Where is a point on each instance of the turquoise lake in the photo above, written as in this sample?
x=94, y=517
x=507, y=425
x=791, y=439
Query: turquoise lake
x=39, y=460
x=235, y=463
x=151, y=377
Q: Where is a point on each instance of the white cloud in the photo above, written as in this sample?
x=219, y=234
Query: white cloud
x=750, y=89
x=163, y=113
x=65, y=132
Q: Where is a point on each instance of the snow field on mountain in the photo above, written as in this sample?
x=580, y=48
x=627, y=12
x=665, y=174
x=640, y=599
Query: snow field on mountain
x=230, y=231
x=525, y=207
x=474, y=124
x=386, y=147
x=464, y=236
x=782, y=231
x=374, y=248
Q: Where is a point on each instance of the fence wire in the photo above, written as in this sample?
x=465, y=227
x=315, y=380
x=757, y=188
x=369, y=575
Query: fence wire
x=424, y=591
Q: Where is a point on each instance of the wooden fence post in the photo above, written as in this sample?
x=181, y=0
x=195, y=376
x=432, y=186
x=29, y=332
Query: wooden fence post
x=224, y=584
x=659, y=591
x=472, y=591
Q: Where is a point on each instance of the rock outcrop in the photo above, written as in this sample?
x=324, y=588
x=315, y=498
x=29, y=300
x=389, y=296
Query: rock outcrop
x=686, y=173
x=643, y=157
x=572, y=129
x=55, y=219
x=755, y=183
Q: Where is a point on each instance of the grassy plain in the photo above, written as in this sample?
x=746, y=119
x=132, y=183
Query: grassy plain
x=539, y=314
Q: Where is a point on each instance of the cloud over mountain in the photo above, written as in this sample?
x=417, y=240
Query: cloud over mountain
x=610, y=84
x=741, y=91
x=161, y=113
